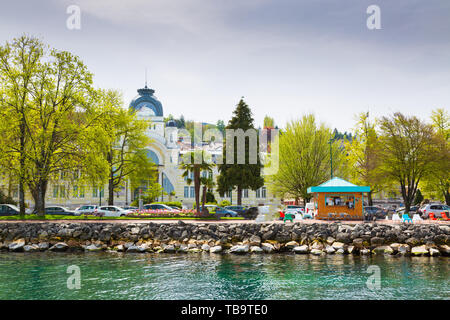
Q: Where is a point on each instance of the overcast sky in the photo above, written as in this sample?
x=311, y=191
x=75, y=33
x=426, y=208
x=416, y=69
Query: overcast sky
x=286, y=57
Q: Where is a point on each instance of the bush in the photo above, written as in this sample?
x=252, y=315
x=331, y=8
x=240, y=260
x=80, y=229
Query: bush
x=171, y=203
x=6, y=199
x=224, y=203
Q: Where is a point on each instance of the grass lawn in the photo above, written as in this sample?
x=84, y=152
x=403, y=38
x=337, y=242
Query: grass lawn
x=31, y=217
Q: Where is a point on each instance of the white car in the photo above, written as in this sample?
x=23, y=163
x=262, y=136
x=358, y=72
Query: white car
x=159, y=206
x=86, y=209
x=434, y=208
x=112, y=211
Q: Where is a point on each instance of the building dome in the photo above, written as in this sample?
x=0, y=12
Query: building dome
x=146, y=102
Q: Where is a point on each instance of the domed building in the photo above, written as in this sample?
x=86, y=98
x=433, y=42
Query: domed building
x=168, y=144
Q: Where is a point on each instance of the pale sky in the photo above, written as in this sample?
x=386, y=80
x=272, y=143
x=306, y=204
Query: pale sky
x=286, y=57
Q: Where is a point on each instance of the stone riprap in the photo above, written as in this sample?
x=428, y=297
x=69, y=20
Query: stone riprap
x=234, y=238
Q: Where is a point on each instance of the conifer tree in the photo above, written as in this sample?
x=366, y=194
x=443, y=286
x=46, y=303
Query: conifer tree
x=234, y=175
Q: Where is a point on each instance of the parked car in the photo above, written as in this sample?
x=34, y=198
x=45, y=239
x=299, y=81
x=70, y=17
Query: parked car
x=241, y=210
x=132, y=208
x=59, y=210
x=86, y=209
x=159, y=206
x=8, y=210
x=112, y=211
x=374, y=212
x=220, y=211
x=251, y=213
x=412, y=210
x=434, y=208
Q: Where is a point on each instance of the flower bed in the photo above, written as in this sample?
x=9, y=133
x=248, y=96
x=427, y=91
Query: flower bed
x=147, y=213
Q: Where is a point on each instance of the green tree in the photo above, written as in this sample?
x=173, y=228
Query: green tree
x=304, y=158
x=20, y=62
x=268, y=122
x=363, y=155
x=55, y=114
x=196, y=162
x=122, y=140
x=408, y=153
x=437, y=183
x=233, y=174
x=419, y=198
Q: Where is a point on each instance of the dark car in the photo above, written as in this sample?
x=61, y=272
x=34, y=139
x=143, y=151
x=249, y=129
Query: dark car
x=373, y=213
x=239, y=209
x=59, y=210
x=8, y=210
x=251, y=213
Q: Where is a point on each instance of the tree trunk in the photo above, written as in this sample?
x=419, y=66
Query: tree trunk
x=22, y=170
x=239, y=195
x=38, y=191
x=204, y=198
x=369, y=198
x=447, y=198
x=111, y=190
x=197, y=189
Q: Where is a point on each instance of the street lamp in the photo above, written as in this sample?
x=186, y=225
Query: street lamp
x=331, y=157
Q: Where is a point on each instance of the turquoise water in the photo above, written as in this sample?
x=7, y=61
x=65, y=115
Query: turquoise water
x=205, y=276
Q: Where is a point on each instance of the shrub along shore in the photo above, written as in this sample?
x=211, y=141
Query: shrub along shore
x=237, y=238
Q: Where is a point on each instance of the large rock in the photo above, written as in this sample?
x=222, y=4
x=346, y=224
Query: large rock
x=170, y=248
x=205, y=247
x=444, y=249
x=255, y=240
x=316, y=252
x=383, y=250
x=316, y=245
x=343, y=237
x=43, y=246
x=358, y=243
x=434, y=252
x=267, y=247
x=134, y=249
x=301, y=249
x=92, y=248
x=338, y=245
x=377, y=241
x=364, y=252
x=239, y=249
x=330, y=250
x=419, y=251
x=215, y=249
x=291, y=245
x=256, y=249
x=31, y=248
x=59, y=247
x=16, y=246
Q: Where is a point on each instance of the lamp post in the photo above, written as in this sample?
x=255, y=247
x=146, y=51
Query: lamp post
x=331, y=158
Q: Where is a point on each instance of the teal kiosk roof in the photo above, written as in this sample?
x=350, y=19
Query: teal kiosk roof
x=338, y=185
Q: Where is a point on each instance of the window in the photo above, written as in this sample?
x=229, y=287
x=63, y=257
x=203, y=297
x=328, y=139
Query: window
x=102, y=193
x=245, y=193
x=258, y=193
x=55, y=191
x=62, y=191
x=192, y=195
x=186, y=192
x=75, y=192
x=341, y=201
x=228, y=194
x=263, y=192
x=94, y=192
x=81, y=192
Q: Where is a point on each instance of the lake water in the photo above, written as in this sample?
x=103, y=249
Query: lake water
x=205, y=276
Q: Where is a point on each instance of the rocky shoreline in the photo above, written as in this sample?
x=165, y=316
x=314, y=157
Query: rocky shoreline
x=233, y=238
